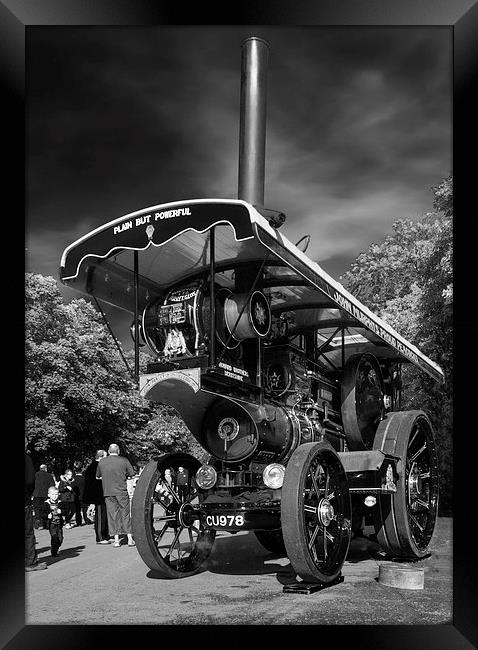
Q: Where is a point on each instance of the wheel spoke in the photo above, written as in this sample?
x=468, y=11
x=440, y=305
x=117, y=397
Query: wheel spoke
x=314, y=553
x=422, y=503
x=413, y=437
x=415, y=521
x=327, y=481
x=160, y=535
x=165, y=518
x=179, y=550
x=314, y=483
x=318, y=473
x=173, y=543
x=311, y=509
x=173, y=494
x=425, y=474
x=416, y=454
x=313, y=536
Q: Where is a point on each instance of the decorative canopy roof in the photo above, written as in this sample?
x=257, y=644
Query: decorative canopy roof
x=173, y=240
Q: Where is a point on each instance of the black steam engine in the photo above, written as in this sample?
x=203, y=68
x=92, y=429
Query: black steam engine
x=293, y=438
x=287, y=381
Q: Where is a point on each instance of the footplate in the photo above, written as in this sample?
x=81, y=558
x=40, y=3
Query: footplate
x=371, y=472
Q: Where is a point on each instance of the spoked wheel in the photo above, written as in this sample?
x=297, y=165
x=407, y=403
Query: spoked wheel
x=271, y=540
x=315, y=512
x=405, y=521
x=168, y=534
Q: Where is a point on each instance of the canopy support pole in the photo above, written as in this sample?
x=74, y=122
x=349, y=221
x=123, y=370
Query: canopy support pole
x=212, y=297
x=343, y=349
x=259, y=371
x=112, y=335
x=136, y=318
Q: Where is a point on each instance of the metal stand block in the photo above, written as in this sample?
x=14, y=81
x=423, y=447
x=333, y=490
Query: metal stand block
x=310, y=587
x=410, y=560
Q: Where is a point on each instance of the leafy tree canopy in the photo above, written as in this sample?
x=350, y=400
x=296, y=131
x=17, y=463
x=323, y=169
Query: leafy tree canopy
x=408, y=280
x=79, y=395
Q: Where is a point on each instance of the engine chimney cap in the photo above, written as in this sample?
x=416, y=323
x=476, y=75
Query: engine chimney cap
x=254, y=38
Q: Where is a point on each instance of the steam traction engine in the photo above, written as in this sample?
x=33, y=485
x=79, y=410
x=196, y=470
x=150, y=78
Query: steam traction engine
x=288, y=381
x=290, y=384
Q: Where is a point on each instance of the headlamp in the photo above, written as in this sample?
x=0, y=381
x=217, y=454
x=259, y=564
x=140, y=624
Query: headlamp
x=206, y=477
x=273, y=475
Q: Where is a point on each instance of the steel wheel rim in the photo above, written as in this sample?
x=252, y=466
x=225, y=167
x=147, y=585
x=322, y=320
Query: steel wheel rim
x=325, y=509
x=179, y=539
x=421, y=481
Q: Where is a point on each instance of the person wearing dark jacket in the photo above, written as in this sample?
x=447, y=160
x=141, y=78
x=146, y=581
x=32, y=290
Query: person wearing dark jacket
x=43, y=481
x=31, y=560
x=81, y=506
x=93, y=494
x=67, y=490
x=182, y=480
x=55, y=520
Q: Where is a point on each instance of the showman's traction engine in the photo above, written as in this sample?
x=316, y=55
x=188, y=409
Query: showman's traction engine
x=291, y=385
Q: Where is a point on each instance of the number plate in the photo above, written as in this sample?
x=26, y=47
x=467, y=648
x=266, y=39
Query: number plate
x=224, y=521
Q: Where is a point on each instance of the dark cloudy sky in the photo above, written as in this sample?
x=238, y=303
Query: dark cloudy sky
x=358, y=128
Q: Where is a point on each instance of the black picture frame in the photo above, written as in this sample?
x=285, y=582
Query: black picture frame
x=462, y=17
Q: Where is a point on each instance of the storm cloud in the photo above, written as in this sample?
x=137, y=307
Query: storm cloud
x=358, y=128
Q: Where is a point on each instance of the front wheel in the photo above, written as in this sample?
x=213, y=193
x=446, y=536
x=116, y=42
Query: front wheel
x=316, y=512
x=168, y=534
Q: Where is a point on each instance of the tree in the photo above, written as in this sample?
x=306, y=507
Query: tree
x=408, y=280
x=165, y=432
x=388, y=270
x=78, y=394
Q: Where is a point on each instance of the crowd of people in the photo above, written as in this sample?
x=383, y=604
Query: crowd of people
x=99, y=496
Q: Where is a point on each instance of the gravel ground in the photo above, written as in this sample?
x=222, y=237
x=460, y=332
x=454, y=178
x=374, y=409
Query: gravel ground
x=93, y=584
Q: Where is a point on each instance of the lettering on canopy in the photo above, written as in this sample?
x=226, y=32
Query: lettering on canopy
x=375, y=327
x=347, y=305
x=151, y=218
x=156, y=226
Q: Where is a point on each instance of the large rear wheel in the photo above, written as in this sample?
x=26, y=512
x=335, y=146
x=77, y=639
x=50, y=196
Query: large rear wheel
x=315, y=512
x=168, y=534
x=405, y=520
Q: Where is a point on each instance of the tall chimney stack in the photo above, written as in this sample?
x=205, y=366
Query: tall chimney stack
x=252, y=129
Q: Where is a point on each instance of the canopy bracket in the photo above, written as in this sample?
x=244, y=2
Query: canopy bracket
x=114, y=337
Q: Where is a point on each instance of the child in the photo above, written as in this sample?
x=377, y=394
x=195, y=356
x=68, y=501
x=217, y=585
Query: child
x=67, y=490
x=55, y=520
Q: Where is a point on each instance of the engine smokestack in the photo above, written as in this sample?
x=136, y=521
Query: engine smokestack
x=252, y=130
